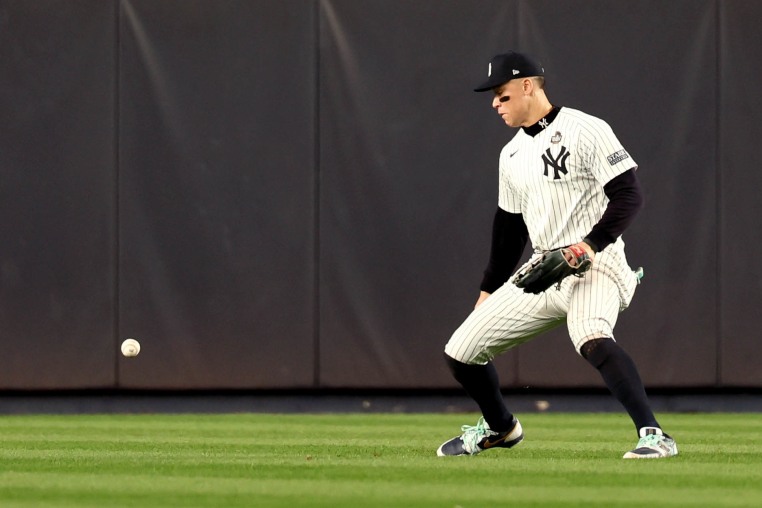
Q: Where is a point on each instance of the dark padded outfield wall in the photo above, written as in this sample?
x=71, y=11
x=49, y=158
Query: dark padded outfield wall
x=407, y=161
x=740, y=182
x=57, y=194
x=216, y=207
x=299, y=194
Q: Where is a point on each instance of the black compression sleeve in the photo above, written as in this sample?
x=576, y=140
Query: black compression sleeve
x=625, y=201
x=509, y=237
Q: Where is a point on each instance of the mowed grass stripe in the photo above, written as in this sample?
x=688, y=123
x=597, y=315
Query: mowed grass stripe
x=148, y=490
x=368, y=460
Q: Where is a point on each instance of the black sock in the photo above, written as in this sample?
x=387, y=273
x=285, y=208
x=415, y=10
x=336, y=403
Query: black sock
x=482, y=384
x=622, y=378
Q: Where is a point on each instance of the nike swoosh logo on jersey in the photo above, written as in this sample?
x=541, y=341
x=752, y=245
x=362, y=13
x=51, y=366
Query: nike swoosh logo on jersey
x=514, y=153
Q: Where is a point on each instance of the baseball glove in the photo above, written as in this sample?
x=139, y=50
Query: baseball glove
x=552, y=268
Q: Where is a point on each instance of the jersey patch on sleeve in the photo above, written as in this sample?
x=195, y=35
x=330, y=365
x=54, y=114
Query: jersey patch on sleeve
x=617, y=157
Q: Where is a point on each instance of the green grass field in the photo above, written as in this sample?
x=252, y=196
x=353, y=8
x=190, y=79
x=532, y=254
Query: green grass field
x=370, y=460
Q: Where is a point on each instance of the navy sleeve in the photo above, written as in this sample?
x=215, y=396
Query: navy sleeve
x=625, y=201
x=509, y=237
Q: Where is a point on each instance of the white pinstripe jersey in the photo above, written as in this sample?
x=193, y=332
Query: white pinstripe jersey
x=555, y=179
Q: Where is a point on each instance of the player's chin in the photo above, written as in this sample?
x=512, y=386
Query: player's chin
x=508, y=121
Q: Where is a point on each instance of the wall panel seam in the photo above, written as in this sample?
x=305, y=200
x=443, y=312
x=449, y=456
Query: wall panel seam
x=316, y=193
x=718, y=188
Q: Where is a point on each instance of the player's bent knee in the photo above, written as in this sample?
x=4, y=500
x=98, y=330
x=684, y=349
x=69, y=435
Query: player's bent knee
x=591, y=344
x=597, y=351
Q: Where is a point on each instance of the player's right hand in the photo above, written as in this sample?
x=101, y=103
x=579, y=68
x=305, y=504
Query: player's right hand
x=482, y=296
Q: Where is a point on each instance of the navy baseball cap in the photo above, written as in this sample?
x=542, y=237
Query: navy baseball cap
x=508, y=66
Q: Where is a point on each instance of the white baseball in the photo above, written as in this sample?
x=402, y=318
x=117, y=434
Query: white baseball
x=130, y=347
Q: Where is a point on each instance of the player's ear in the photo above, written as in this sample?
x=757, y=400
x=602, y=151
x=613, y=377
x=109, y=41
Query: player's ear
x=527, y=86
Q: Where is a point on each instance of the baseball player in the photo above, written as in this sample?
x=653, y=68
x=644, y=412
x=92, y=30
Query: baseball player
x=565, y=182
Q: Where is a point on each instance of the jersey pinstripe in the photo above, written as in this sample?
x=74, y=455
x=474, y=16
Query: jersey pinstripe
x=555, y=179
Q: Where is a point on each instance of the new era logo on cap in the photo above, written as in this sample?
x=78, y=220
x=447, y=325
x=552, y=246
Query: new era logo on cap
x=507, y=66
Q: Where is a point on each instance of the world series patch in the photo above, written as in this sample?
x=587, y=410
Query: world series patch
x=618, y=157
